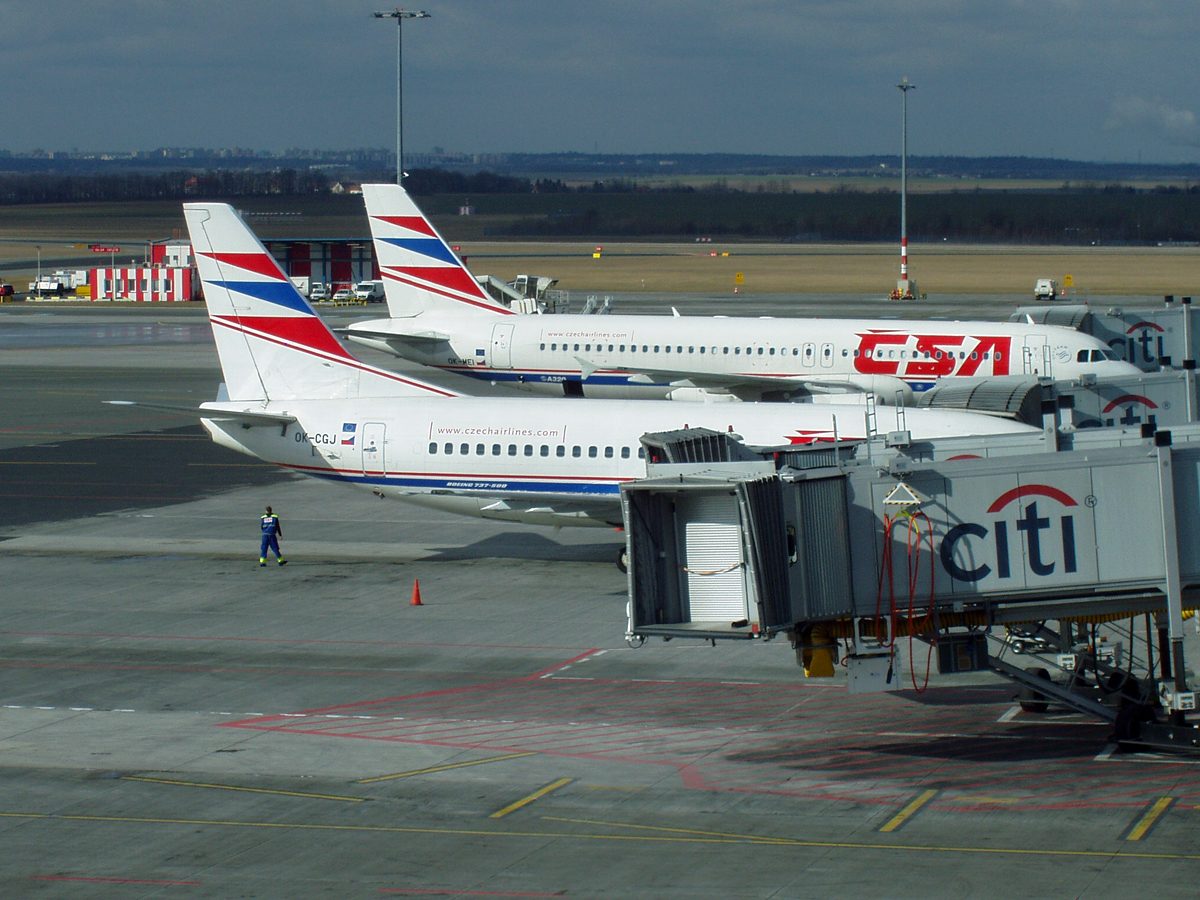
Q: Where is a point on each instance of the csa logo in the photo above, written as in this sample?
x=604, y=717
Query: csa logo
x=1049, y=540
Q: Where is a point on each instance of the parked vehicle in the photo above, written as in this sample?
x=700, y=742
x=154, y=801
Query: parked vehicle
x=6, y=290
x=343, y=294
x=319, y=292
x=1045, y=289
x=369, y=291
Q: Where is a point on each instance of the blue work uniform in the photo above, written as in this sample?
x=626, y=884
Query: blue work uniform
x=272, y=531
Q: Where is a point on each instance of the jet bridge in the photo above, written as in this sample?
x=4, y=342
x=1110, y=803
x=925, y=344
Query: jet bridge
x=972, y=549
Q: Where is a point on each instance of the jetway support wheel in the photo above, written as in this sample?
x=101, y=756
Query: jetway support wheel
x=1032, y=700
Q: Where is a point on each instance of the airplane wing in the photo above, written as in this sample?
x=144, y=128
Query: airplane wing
x=417, y=337
x=247, y=418
x=747, y=386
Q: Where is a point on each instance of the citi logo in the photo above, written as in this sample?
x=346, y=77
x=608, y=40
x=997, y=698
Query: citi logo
x=1048, y=539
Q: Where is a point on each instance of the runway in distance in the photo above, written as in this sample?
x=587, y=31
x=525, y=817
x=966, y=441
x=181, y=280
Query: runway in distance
x=295, y=396
x=440, y=316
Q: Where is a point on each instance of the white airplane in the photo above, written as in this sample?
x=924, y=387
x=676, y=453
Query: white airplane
x=294, y=396
x=440, y=316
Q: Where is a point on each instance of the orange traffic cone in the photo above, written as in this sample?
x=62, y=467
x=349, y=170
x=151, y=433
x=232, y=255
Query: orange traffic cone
x=416, y=598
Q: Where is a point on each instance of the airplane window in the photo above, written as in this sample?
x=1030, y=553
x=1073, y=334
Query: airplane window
x=845, y=352
x=962, y=354
x=641, y=452
x=668, y=348
x=495, y=449
x=678, y=349
x=726, y=351
x=479, y=450
x=974, y=355
x=610, y=346
x=624, y=453
x=645, y=348
x=772, y=351
x=554, y=346
x=560, y=450
x=856, y=354
x=1081, y=356
x=693, y=349
x=433, y=449
x=576, y=451
x=448, y=449
x=737, y=351
x=608, y=452
x=656, y=348
x=903, y=354
x=985, y=354
x=529, y=449
x=541, y=346
x=591, y=452
x=588, y=347
x=702, y=349
x=464, y=449
x=891, y=354
x=808, y=351
x=750, y=350
x=997, y=354
x=937, y=355
x=576, y=346
x=545, y=451
x=633, y=348
x=829, y=350
x=512, y=449
x=1108, y=354
x=622, y=348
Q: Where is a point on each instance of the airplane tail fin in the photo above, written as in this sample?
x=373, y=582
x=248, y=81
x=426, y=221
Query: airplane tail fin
x=272, y=343
x=420, y=272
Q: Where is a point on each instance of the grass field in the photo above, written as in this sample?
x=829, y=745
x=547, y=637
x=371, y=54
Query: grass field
x=63, y=231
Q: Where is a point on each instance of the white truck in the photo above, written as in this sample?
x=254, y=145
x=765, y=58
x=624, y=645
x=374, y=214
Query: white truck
x=369, y=291
x=1045, y=289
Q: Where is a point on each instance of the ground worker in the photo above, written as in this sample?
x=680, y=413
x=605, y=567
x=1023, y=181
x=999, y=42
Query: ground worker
x=272, y=531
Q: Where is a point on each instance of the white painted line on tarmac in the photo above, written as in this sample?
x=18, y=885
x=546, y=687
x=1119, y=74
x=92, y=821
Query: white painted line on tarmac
x=1010, y=715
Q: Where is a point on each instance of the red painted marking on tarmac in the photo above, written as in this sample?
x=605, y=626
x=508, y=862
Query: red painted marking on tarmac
x=107, y=880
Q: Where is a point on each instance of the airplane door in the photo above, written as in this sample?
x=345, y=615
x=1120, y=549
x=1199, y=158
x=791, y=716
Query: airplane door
x=809, y=355
x=373, y=462
x=713, y=562
x=502, y=346
x=827, y=356
x=1036, y=355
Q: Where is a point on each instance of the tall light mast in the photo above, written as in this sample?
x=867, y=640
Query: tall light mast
x=904, y=288
x=400, y=15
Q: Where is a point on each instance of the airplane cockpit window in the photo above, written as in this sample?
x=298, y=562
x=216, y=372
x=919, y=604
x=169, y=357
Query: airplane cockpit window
x=1081, y=356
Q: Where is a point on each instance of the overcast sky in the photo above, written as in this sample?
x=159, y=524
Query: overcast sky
x=1081, y=79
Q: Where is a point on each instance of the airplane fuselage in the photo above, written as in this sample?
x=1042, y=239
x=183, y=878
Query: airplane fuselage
x=649, y=356
x=544, y=462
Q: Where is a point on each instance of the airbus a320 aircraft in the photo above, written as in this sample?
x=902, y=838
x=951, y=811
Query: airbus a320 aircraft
x=294, y=396
x=440, y=316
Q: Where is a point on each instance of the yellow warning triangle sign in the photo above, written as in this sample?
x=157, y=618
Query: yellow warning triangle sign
x=902, y=495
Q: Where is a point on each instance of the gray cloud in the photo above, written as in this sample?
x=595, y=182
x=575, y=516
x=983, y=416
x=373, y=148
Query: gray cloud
x=1156, y=118
x=772, y=76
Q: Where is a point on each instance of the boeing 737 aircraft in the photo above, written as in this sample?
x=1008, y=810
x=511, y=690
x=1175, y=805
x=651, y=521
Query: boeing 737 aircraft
x=294, y=396
x=440, y=316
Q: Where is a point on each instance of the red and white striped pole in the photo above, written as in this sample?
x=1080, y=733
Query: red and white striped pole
x=905, y=87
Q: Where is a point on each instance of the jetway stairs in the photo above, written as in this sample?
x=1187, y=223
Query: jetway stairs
x=1068, y=551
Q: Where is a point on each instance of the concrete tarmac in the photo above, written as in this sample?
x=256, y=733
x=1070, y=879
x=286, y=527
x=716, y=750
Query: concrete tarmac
x=177, y=721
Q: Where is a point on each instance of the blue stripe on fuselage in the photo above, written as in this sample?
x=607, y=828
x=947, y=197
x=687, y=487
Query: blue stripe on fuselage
x=485, y=484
